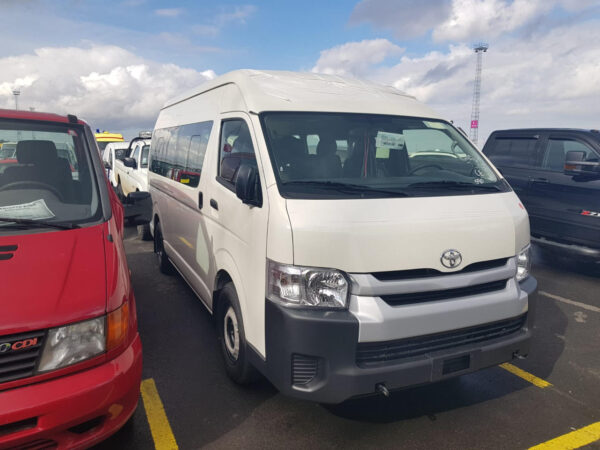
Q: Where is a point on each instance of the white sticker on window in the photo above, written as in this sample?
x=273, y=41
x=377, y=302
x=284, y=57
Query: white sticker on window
x=438, y=125
x=36, y=210
x=389, y=140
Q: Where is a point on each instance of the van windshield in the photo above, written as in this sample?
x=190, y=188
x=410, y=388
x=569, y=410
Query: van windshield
x=339, y=155
x=47, y=180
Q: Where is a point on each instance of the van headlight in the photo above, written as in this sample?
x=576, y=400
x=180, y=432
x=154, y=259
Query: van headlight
x=306, y=286
x=524, y=263
x=73, y=343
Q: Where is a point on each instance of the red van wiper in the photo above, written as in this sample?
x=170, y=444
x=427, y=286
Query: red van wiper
x=38, y=223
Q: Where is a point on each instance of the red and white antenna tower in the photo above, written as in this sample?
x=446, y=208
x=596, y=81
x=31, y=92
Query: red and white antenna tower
x=480, y=49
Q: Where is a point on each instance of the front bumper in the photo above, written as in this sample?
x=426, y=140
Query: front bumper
x=301, y=343
x=74, y=411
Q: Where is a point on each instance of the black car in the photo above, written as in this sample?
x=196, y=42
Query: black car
x=556, y=174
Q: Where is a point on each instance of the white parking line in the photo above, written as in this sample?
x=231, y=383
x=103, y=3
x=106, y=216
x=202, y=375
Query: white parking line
x=571, y=302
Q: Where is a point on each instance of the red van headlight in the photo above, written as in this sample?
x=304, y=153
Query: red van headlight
x=73, y=343
x=80, y=341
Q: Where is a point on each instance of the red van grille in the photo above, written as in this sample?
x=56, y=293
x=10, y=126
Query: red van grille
x=19, y=355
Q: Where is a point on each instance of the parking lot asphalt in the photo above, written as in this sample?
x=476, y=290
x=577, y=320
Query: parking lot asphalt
x=493, y=408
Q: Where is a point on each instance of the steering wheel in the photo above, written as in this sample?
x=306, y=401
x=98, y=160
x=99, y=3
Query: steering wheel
x=39, y=184
x=416, y=169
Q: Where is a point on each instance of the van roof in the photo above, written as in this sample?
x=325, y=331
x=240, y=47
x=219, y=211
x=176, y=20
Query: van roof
x=34, y=115
x=305, y=91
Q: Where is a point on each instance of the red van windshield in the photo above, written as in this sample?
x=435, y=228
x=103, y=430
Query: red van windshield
x=46, y=176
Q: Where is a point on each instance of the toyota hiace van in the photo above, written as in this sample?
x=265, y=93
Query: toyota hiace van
x=347, y=239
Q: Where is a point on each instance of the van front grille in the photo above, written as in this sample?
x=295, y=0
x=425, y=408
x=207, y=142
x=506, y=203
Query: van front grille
x=427, y=273
x=430, y=296
x=373, y=353
x=19, y=354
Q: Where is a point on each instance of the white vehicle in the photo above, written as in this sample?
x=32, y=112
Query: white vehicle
x=347, y=239
x=131, y=171
x=113, y=151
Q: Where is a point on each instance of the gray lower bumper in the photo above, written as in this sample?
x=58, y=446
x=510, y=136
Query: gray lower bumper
x=326, y=342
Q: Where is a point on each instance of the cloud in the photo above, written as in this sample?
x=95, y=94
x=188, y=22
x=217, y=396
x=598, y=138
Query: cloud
x=459, y=20
x=490, y=18
x=168, y=12
x=551, y=79
x=109, y=86
x=355, y=58
x=239, y=15
x=405, y=18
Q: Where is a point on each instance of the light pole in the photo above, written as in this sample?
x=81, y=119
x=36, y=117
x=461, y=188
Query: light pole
x=16, y=93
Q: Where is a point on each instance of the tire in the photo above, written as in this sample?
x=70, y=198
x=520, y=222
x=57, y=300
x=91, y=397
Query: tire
x=232, y=338
x=144, y=232
x=164, y=265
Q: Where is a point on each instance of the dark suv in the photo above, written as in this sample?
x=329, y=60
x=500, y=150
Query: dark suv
x=556, y=174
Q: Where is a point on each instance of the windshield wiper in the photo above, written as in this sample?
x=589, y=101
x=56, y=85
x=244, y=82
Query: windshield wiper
x=38, y=223
x=454, y=184
x=347, y=187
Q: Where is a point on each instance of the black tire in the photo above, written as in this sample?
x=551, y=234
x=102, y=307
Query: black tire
x=235, y=354
x=164, y=265
x=144, y=232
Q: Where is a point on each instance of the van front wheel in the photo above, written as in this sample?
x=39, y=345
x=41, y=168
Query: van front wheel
x=233, y=339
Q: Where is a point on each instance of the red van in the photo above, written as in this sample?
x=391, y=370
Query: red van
x=70, y=352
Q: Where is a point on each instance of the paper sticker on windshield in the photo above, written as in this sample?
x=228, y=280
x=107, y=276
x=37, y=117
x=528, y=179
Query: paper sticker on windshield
x=389, y=140
x=438, y=125
x=36, y=210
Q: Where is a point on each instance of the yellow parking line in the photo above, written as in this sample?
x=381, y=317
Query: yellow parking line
x=574, y=439
x=157, y=418
x=525, y=375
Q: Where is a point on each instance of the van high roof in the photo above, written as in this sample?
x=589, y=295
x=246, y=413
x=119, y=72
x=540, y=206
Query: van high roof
x=259, y=91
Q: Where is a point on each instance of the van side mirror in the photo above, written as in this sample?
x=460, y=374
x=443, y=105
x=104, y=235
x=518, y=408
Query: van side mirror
x=138, y=208
x=130, y=162
x=247, y=185
x=575, y=164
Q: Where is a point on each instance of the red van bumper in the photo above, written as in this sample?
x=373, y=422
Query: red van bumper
x=74, y=411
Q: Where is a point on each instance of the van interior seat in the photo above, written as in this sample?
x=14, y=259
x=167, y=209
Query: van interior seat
x=398, y=164
x=327, y=163
x=293, y=158
x=38, y=161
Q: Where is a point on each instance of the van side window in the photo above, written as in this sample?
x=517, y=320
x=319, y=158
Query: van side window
x=556, y=152
x=513, y=152
x=235, y=149
x=182, y=157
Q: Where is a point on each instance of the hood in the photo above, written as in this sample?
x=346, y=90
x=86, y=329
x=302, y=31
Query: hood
x=53, y=278
x=378, y=235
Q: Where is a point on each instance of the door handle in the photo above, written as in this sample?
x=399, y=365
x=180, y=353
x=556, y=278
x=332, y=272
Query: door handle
x=214, y=204
x=539, y=180
x=200, y=200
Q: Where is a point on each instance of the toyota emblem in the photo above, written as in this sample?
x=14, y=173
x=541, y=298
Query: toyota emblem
x=451, y=259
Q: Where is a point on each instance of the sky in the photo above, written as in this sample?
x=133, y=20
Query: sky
x=116, y=62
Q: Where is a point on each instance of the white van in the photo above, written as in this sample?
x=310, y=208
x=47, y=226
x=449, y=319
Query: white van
x=347, y=239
